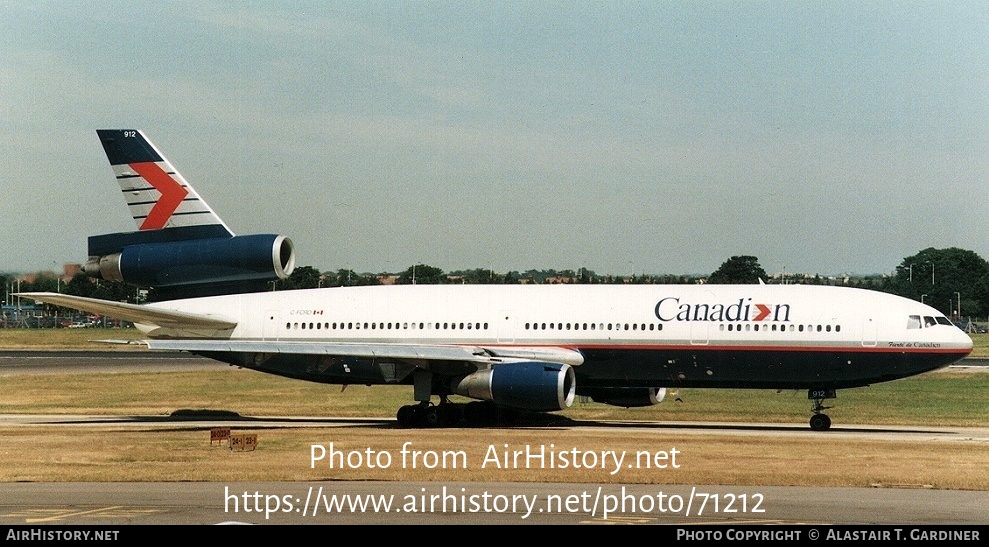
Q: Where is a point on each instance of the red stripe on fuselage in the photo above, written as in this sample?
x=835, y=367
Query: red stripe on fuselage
x=729, y=348
x=172, y=194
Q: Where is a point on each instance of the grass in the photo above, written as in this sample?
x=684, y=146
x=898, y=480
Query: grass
x=944, y=398
x=68, y=339
x=180, y=454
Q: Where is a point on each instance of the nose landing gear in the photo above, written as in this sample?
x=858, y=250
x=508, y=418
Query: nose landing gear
x=820, y=421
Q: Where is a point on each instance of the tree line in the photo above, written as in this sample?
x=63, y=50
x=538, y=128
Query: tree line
x=954, y=281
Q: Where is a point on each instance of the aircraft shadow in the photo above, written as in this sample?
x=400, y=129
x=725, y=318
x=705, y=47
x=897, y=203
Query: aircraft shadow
x=521, y=421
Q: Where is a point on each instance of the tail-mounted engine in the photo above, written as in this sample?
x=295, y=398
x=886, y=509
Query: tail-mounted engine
x=142, y=259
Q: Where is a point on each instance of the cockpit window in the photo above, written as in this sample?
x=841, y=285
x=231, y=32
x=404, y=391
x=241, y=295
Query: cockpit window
x=917, y=322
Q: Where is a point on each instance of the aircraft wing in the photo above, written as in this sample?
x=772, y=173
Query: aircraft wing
x=176, y=324
x=395, y=351
x=408, y=352
x=135, y=313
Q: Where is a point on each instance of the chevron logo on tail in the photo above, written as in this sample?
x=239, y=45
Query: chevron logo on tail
x=157, y=195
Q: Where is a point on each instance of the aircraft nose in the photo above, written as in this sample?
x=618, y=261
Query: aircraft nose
x=963, y=341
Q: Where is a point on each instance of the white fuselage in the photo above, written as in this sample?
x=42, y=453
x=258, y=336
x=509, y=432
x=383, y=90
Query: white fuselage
x=718, y=335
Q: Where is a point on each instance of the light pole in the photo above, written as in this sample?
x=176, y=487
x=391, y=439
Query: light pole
x=931, y=262
x=58, y=289
x=922, y=298
x=58, y=278
x=958, y=309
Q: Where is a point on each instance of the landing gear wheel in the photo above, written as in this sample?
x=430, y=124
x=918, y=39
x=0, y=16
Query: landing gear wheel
x=450, y=414
x=406, y=416
x=426, y=415
x=430, y=417
x=820, y=422
x=480, y=413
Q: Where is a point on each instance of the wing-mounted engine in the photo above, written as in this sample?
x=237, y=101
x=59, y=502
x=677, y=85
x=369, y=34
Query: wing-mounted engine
x=627, y=397
x=180, y=266
x=526, y=385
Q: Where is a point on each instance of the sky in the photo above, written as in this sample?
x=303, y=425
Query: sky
x=626, y=137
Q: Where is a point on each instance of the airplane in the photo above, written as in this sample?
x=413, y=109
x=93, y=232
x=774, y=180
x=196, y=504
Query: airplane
x=515, y=347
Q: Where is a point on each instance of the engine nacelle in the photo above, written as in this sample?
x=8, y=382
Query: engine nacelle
x=166, y=264
x=526, y=385
x=627, y=397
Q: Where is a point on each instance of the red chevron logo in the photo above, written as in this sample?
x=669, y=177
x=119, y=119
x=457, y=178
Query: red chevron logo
x=763, y=312
x=172, y=194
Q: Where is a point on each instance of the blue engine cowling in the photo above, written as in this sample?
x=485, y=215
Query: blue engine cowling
x=526, y=385
x=627, y=397
x=198, y=261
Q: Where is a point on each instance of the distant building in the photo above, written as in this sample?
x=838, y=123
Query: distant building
x=387, y=279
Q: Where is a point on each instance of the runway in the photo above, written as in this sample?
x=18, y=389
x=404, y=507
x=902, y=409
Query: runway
x=437, y=502
x=81, y=361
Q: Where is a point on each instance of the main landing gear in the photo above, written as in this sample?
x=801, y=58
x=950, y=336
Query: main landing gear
x=820, y=421
x=425, y=414
x=446, y=414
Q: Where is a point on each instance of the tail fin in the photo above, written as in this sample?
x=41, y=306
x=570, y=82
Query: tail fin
x=158, y=196
x=181, y=248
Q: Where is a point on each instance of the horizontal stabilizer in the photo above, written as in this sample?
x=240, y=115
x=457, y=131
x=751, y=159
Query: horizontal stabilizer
x=146, y=315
